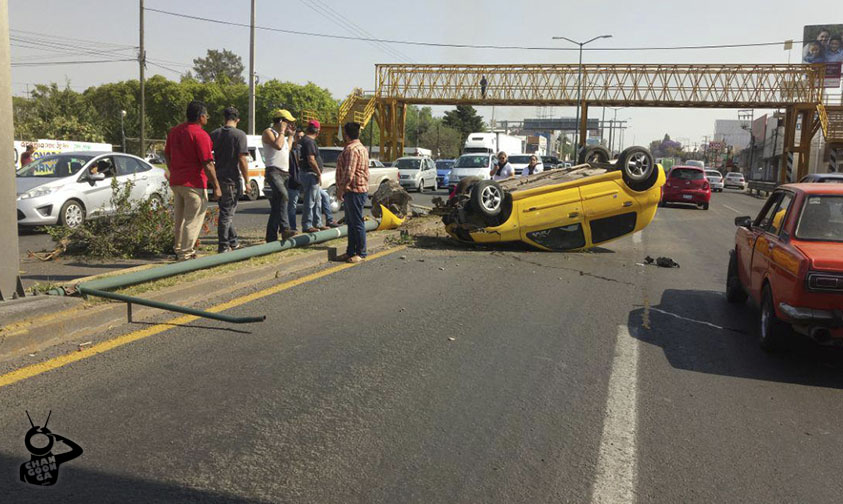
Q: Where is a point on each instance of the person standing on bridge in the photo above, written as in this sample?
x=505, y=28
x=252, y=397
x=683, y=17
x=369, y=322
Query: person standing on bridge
x=190, y=162
x=353, y=188
x=483, y=84
x=231, y=159
x=503, y=170
x=277, y=145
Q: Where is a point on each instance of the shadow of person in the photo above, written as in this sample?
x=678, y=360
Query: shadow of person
x=700, y=331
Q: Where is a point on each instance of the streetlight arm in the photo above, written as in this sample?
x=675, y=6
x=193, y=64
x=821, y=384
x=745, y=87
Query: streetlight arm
x=595, y=38
x=569, y=40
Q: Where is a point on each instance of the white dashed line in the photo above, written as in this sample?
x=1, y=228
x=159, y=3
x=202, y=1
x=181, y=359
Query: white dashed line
x=732, y=209
x=617, y=460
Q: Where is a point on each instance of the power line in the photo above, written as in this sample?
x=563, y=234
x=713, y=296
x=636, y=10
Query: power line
x=465, y=46
x=45, y=63
x=76, y=40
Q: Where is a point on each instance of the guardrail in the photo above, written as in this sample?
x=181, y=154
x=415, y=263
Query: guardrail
x=760, y=186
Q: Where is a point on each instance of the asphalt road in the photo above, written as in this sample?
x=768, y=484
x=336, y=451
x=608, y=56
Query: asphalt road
x=451, y=374
x=250, y=221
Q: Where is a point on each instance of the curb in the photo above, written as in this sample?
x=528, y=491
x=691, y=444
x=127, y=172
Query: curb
x=43, y=331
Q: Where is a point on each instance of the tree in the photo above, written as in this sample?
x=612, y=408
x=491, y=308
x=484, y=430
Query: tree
x=443, y=141
x=223, y=67
x=666, y=148
x=465, y=120
x=417, y=123
x=57, y=113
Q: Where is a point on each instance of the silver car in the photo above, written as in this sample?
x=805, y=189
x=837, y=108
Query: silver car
x=70, y=187
x=416, y=172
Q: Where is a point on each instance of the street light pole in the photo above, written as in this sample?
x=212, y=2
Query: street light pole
x=123, y=131
x=577, y=139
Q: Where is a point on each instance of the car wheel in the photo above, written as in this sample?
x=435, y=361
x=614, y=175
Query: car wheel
x=420, y=188
x=72, y=214
x=637, y=164
x=156, y=202
x=435, y=185
x=734, y=289
x=333, y=202
x=254, y=192
x=487, y=198
x=773, y=331
x=593, y=154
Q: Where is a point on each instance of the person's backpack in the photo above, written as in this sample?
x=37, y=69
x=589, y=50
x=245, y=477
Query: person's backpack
x=294, y=181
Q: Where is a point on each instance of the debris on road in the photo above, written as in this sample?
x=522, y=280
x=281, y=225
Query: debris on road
x=391, y=195
x=662, y=262
x=451, y=338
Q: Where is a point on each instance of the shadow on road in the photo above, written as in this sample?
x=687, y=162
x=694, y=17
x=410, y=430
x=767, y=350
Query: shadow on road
x=191, y=325
x=75, y=484
x=699, y=331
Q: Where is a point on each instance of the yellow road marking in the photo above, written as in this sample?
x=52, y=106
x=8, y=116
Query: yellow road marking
x=63, y=360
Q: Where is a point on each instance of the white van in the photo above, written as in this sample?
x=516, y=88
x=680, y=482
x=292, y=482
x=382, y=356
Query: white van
x=257, y=168
x=471, y=165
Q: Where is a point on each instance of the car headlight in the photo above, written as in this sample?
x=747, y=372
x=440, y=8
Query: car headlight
x=37, y=192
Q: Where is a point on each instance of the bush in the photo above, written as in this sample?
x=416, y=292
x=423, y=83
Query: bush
x=135, y=229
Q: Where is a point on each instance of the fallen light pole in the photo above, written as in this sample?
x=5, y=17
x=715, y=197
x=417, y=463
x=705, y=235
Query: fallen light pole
x=101, y=287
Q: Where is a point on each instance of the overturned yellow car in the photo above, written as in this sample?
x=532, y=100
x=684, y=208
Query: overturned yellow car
x=561, y=210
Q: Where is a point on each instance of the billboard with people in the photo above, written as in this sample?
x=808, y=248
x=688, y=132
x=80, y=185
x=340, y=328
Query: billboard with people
x=822, y=44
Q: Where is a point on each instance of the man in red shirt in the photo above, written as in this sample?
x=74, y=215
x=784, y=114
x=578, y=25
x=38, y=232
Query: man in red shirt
x=190, y=160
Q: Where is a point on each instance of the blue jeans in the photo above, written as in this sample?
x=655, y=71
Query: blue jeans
x=228, y=205
x=291, y=207
x=311, y=214
x=354, y=219
x=326, y=206
x=277, y=203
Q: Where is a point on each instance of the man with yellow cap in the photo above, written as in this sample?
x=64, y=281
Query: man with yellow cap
x=277, y=144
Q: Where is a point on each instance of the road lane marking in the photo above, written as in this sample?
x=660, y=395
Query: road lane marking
x=732, y=209
x=617, y=459
x=636, y=238
x=63, y=360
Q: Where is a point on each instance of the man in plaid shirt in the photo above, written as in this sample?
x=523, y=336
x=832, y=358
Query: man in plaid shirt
x=352, y=179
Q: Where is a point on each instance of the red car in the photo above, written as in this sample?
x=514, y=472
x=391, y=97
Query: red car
x=686, y=184
x=789, y=261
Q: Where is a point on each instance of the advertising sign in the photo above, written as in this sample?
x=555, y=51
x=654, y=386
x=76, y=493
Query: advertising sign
x=822, y=44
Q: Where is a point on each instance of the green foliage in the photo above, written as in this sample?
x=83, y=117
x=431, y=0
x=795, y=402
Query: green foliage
x=136, y=229
x=465, y=120
x=52, y=112
x=443, y=141
x=222, y=67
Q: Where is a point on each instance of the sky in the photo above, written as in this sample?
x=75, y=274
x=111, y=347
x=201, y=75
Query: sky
x=341, y=66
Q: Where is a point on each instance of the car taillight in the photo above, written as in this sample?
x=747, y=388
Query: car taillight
x=705, y=186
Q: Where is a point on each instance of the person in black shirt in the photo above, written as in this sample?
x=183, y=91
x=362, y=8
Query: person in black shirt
x=231, y=156
x=311, y=179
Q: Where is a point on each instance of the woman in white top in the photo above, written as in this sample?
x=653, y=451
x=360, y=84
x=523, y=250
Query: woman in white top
x=532, y=168
x=503, y=170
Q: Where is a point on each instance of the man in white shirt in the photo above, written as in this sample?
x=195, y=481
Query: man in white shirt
x=503, y=170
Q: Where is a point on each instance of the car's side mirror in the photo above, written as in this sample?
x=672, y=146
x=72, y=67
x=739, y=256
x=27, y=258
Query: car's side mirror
x=743, y=221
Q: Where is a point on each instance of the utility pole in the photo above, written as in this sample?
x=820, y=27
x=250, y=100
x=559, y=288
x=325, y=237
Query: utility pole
x=142, y=64
x=252, y=72
x=10, y=285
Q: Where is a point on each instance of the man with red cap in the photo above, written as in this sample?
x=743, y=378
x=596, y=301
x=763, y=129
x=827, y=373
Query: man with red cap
x=311, y=179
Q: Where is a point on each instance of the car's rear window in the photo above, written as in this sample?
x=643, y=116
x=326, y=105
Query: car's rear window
x=472, y=162
x=734, y=176
x=713, y=174
x=821, y=219
x=686, y=174
x=519, y=159
x=408, y=164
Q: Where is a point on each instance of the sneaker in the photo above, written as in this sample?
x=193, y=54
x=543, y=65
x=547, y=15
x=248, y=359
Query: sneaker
x=312, y=230
x=235, y=247
x=355, y=259
x=289, y=234
x=342, y=258
x=323, y=228
x=333, y=225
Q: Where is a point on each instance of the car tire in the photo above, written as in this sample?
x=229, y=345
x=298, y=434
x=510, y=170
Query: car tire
x=435, y=185
x=487, y=198
x=72, y=214
x=734, y=290
x=254, y=191
x=420, y=188
x=772, y=331
x=637, y=164
x=594, y=154
x=156, y=201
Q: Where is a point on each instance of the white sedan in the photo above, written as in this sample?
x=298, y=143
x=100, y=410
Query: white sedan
x=70, y=187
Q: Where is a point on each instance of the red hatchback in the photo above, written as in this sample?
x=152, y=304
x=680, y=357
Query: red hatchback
x=686, y=184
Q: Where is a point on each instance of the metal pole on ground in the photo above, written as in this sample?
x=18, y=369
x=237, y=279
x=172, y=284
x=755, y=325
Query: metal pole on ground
x=10, y=285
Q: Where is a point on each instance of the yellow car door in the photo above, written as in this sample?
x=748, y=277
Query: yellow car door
x=552, y=221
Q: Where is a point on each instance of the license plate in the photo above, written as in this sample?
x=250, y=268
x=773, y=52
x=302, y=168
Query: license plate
x=688, y=196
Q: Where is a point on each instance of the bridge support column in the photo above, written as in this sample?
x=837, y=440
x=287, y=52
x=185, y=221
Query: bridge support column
x=391, y=118
x=583, y=124
x=786, y=173
x=809, y=128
